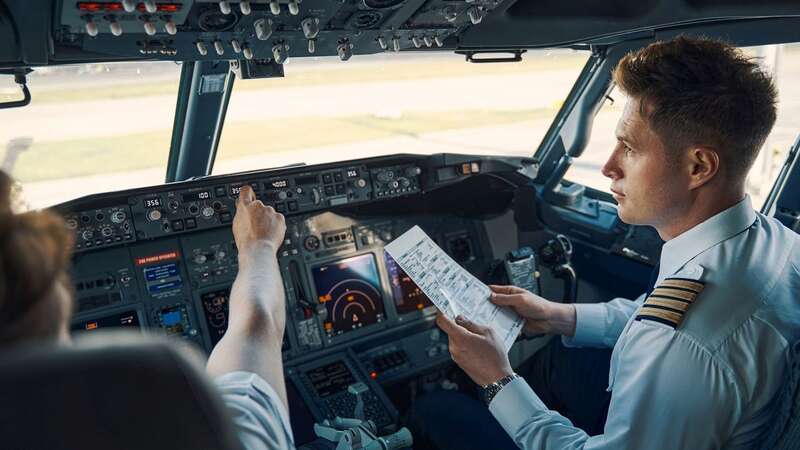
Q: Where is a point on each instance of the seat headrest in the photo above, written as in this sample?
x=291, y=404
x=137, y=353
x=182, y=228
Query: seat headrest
x=109, y=391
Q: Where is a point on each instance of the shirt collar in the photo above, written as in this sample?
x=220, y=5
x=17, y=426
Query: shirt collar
x=681, y=249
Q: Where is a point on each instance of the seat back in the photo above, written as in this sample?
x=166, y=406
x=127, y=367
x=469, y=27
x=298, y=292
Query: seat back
x=784, y=431
x=109, y=391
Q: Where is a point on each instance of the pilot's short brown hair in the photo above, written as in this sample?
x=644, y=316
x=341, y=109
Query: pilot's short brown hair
x=698, y=91
x=34, y=257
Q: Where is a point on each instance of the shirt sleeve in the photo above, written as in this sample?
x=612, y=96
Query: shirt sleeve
x=259, y=417
x=600, y=324
x=668, y=393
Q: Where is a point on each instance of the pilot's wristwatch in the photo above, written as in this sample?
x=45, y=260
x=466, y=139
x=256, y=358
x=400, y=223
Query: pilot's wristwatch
x=491, y=389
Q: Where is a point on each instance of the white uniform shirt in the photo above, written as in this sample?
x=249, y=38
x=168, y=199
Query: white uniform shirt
x=709, y=382
x=260, y=420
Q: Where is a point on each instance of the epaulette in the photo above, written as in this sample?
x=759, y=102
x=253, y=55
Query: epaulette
x=669, y=301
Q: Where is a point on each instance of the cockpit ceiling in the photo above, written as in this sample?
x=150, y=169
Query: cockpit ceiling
x=51, y=32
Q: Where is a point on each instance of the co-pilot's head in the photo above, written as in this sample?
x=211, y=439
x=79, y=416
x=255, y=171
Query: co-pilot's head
x=698, y=112
x=36, y=299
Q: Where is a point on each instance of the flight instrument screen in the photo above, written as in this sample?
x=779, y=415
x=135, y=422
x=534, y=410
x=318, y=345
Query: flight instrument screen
x=408, y=297
x=350, y=290
x=330, y=379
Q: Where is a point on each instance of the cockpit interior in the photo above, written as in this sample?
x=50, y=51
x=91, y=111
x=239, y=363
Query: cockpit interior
x=159, y=258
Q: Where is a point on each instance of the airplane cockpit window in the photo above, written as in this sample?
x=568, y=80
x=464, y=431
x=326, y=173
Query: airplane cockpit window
x=389, y=103
x=782, y=61
x=89, y=128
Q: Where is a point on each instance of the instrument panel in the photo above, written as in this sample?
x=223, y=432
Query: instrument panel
x=163, y=260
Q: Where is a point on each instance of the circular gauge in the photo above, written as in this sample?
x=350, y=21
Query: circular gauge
x=350, y=291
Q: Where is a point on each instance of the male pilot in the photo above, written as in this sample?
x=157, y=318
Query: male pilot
x=697, y=361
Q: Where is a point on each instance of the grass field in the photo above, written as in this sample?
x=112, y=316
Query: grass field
x=78, y=157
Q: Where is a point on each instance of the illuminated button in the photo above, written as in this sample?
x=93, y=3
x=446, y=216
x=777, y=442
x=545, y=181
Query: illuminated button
x=293, y=206
x=191, y=223
x=337, y=177
x=177, y=225
x=327, y=178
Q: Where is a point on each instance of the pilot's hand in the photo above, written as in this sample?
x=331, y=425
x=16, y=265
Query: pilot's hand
x=476, y=349
x=256, y=227
x=541, y=315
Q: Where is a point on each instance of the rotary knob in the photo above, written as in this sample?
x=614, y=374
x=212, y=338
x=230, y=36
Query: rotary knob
x=87, y=235
x=311, y=243
x=154, y=215
x=200, y=258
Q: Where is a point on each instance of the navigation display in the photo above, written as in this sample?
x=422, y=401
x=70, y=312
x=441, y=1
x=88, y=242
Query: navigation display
x=408, y=297
x=331, y=378
x=162, y=280
x=350, y=290
x=122, y=319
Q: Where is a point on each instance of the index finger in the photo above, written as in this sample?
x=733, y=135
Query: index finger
x=246, y=195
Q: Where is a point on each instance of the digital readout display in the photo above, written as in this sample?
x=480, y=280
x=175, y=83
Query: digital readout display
x=331, y=378
x=117, y=320
x=278, y=184
x=196, y=196
x=163, y=279
x=153, y=202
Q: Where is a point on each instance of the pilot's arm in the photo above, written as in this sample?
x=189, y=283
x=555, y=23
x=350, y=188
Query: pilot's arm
x=247, y=360
x=600, y=324
x=668, y=392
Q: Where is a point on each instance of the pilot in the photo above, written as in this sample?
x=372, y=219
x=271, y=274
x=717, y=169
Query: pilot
x=698, y=359
x=35, y=294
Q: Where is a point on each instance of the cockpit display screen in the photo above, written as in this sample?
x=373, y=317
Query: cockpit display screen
x=350, y=290
x=122, y=319
x=408, y=297
x=331, y=378
x=162, y=280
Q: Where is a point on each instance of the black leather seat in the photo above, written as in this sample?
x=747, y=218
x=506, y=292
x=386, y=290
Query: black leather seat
x=109, y=391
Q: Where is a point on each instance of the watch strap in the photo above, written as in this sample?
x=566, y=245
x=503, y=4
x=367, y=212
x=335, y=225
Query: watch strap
x=492, y=389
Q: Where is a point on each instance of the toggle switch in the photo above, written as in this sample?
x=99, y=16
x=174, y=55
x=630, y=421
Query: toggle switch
x=150, y=27
x=475, y=15
x=345, y=50
x=219, y=48
x=274, y=7
x=438, y=40
x=310, y=26
x=416, y=41
x=294, y=7
x=237, y=47
x=396, y=44
x=114, y=27
x=428, y=41
x=382, y=43
x=244, y=7
x=263, y=29
x=312, y=46
x=247, y=52
x=171, y=27
x=201, y=48
x=225, y=7
x=150, y=6
x=129, y=5
x=280, y=52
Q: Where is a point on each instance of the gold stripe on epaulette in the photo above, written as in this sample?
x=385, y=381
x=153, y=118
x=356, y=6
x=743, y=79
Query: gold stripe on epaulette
x=674, y=293
x=668, y=303
x=682, y=283
x=672, y=317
